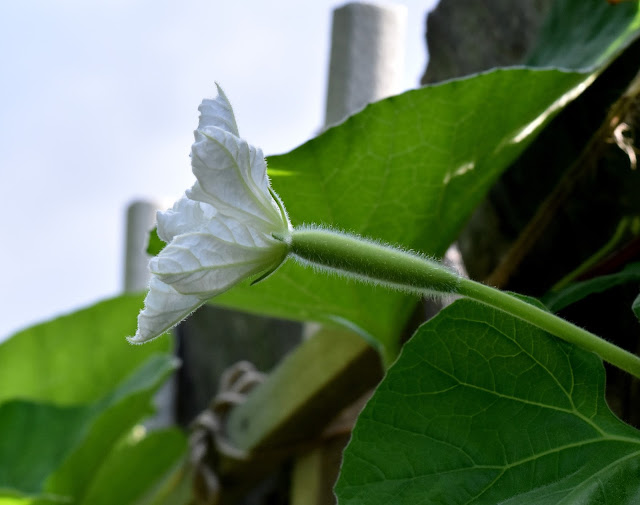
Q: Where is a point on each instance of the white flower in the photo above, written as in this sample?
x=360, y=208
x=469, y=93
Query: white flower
x=221, y=232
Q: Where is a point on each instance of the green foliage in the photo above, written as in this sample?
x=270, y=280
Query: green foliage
x=75, y=358
x=556, y=301
x=77, y=435
x=70, y=390
x=411, y=169
x=154, y=243
x=584, y=33
x=150, y=459
x=407, y=170
x=483, y=408
x=118, y=413
x=479, y=408
x=41, y=437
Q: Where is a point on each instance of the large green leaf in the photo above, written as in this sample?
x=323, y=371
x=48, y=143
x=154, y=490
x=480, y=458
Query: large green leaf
x=482, y=408
x=410, y=170
x=76, y=358
x=67, y=444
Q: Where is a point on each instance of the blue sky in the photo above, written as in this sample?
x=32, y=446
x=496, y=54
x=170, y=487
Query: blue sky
x=99, y=101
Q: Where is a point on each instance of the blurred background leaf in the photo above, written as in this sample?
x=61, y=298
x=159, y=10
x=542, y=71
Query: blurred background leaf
x=78, y=357
x=70, y=390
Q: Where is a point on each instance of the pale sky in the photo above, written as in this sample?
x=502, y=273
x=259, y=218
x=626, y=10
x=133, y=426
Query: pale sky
x=99, y=102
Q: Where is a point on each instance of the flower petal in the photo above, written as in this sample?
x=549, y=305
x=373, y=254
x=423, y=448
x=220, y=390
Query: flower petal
x=221, y=232
x=188, y=216
x=218, y=112
x=232, y=177
x=184, y=217
x=164, y=307
x=205, y=264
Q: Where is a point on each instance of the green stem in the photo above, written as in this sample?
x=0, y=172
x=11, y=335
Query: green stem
x=383, y=264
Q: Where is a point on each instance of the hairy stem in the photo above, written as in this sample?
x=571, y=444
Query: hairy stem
x=354, y=256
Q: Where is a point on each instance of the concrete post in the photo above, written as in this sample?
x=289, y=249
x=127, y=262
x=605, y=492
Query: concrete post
x=367, y=57
x=141, y=218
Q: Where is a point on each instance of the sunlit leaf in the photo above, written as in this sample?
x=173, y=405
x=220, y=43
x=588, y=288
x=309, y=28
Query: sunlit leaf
x=76, y=358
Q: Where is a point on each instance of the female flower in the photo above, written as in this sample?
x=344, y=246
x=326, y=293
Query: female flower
x=221, y=232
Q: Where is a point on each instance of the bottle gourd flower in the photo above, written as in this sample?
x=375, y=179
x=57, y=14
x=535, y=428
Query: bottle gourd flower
x=231, y=226
x=221, y=231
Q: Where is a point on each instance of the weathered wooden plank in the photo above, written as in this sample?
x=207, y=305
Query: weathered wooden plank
x=325, y=374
